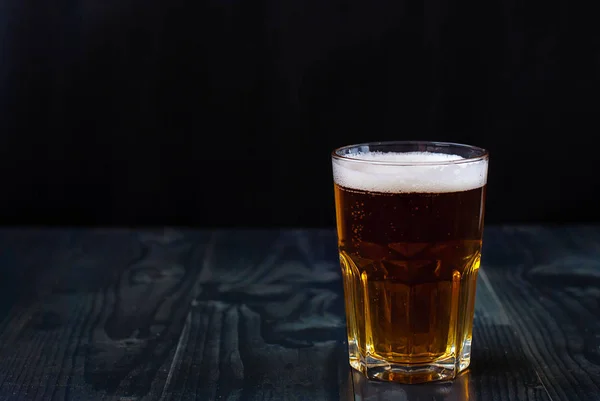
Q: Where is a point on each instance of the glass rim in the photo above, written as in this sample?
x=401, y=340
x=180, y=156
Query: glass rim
x=483, y=154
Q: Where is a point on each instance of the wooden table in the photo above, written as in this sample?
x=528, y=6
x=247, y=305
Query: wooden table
x=258, y=315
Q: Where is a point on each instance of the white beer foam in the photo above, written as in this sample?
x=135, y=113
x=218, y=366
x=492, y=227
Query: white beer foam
x=417, y=177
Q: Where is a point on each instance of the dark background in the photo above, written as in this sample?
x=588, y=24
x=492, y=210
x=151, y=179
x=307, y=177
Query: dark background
x=224, y=112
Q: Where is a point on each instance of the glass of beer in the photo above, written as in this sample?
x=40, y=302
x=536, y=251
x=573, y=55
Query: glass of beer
x=410, y=224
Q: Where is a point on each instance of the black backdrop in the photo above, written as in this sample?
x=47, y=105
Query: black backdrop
x=223, y=112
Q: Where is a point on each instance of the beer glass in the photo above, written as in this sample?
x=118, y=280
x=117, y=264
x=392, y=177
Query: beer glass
x=409, y=223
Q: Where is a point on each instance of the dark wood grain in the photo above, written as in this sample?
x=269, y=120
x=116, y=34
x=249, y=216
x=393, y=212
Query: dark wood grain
x=550, y=287
x=258, y=315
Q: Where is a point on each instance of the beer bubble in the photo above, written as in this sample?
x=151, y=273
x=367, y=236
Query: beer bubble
x=406, y=172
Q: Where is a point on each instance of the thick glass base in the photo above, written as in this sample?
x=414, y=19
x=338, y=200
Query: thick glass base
x=440, y=369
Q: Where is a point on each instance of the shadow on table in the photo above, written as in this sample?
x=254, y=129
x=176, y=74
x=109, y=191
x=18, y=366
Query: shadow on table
x=369, y=390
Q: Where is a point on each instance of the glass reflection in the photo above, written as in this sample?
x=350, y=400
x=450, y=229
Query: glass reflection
x=460, y=389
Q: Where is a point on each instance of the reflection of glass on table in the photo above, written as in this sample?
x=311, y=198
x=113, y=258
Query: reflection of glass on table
x=459, y=389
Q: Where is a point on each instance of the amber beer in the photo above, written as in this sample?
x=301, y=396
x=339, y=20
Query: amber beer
x=409, y=228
